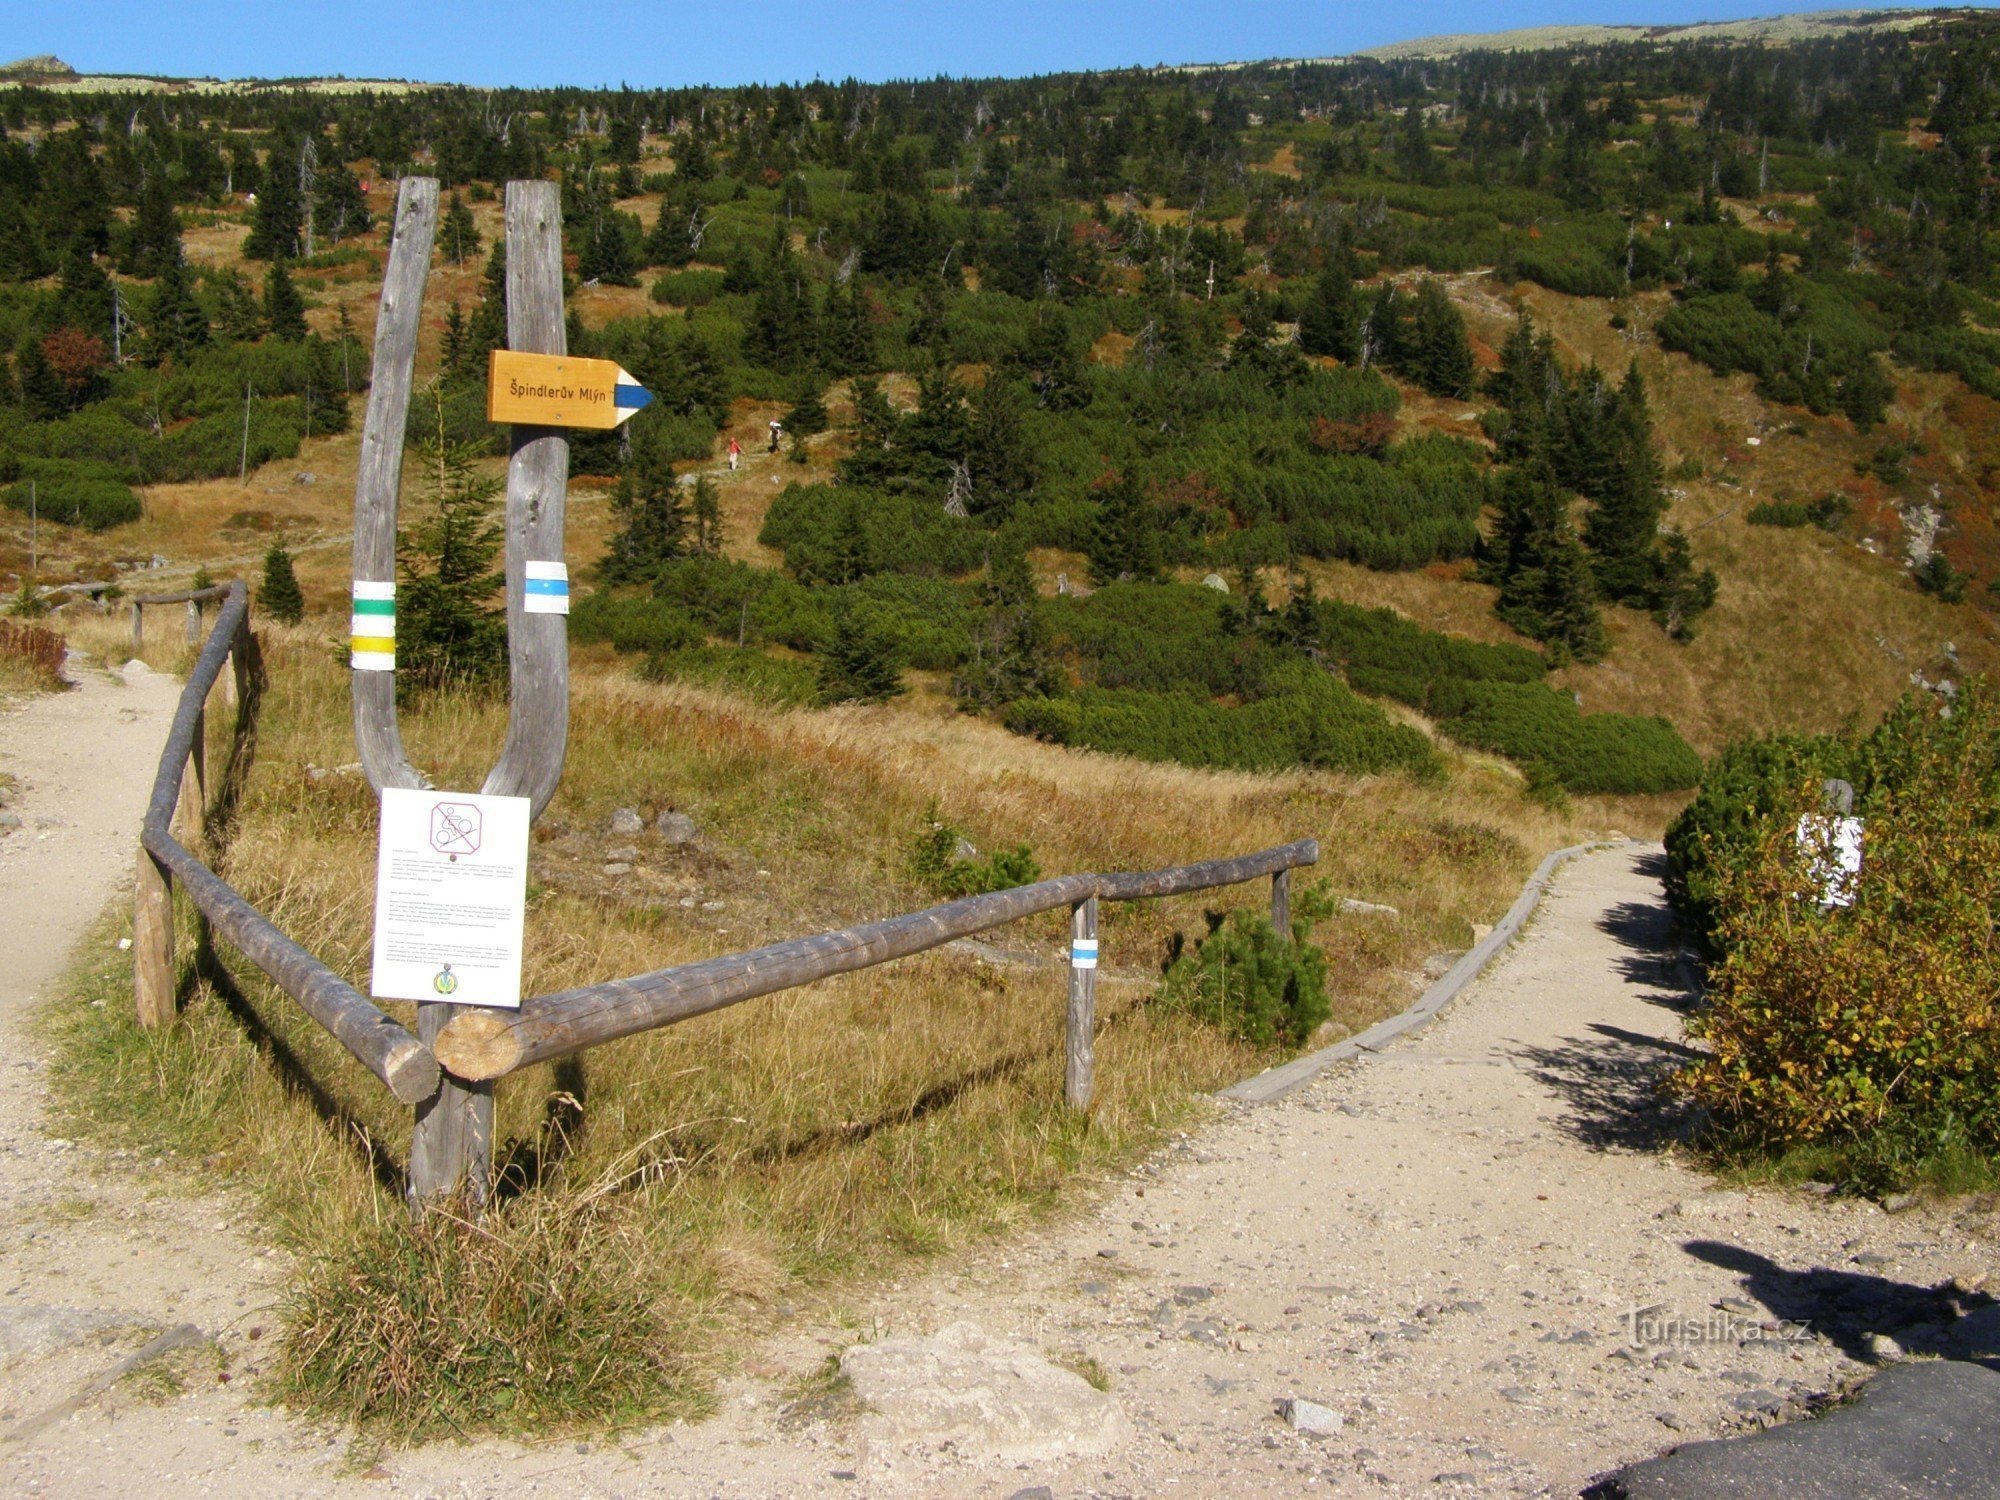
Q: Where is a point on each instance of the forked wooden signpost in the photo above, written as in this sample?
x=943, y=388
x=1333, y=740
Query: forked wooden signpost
x=448, y=1069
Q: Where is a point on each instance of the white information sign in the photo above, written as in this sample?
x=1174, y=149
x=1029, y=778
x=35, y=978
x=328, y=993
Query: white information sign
x=1832, y=847
x=451, y=889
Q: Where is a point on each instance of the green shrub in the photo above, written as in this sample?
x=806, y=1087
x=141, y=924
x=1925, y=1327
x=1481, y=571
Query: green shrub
x=1259, y=987
x=1872, y=1026
x=688, y=288
x=1828, y=512
x=1532, y=723
x=1715, y=836
x=938, y=862
x=1308, y=718
x=841, y=533
x=633, y=623
x=781, y=681
x=86, y=495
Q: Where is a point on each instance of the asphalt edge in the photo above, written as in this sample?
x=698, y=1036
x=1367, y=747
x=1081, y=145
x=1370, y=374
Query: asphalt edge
x=1287, y=1078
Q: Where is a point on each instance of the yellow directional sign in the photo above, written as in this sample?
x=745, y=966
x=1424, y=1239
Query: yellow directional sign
x=554, y=390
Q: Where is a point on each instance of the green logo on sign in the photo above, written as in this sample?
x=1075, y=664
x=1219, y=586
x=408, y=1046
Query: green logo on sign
x=446, y=981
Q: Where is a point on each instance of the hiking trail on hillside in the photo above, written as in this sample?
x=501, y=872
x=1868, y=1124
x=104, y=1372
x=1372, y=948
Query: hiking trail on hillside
x=1441, y=1245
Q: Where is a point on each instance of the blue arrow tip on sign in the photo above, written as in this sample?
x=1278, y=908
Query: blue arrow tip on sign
x=629, y=394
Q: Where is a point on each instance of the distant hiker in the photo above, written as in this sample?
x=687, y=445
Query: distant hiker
x=777, y=432
x=735, y=452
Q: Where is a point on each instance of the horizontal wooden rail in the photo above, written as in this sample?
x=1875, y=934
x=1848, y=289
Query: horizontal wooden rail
x=484, y=1044
x=382, y=1046
x=187, y=596
x=192, y=598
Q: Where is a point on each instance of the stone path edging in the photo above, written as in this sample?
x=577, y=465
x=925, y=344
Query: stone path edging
x=1287, y=1078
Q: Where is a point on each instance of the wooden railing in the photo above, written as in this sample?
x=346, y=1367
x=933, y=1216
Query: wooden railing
x=473, y=1046
x=385, y=1048
x=192, y=598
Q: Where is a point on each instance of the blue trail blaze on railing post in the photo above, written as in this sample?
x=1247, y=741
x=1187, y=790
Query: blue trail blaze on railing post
x=1080, y=1028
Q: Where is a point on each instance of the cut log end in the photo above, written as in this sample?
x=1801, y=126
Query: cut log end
x=411, y=1073
x=476, y=1045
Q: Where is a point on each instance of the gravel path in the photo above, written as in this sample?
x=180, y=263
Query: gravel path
x=1440, y=1244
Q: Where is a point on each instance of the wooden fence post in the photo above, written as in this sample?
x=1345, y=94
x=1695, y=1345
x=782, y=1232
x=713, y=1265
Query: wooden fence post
x=1281, y=904
x=1080, y=1030
x=192, y=811
x=194, y=622
x=153, y=942
x=451, y=1148
x=138, y=627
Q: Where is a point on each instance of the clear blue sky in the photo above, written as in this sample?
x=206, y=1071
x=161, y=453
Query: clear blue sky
x=671, y=42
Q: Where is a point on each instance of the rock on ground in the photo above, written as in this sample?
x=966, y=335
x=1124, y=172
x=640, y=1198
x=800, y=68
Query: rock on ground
x=985, y=1397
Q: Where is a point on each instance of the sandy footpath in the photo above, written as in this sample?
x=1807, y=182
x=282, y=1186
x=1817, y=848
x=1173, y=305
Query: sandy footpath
x=1442, y=1244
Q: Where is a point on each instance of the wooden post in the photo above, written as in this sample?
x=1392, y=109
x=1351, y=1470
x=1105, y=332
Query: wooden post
x=138, y=627
x=1080, y=1032
x=153, y=942
x=232, y=673
x=194, y=622
x=451, y=1149
x=1281, y=904
x=531, y=761
x=380, y=470
x=192, y=811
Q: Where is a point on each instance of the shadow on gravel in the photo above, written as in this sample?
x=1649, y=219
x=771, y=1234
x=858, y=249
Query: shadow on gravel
x=1924, y=1428
x=1610, y=1085
x=1847, y=1308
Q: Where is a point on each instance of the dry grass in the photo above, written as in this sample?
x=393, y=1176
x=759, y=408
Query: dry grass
x=772, y=1153
x=31, y=658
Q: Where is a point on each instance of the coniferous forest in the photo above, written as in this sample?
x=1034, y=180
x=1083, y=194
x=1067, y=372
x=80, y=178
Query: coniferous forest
x=1082, y=381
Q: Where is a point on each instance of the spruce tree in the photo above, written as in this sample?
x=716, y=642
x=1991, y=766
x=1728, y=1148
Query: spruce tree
x=178, y=326
x=706, y=508
x=808, y=416
x=1330, y=323
x=859, y=663
x=1541, y=569
x=84, y=297
x=340, y=208
x=998, y=452
x=458, y=235
x=1679, y=593
x=448, y=628
x=1441, y=357
x=279, y=597
x=284, y=308
x=154, y=241
x=488, y=330
x=1865, y=392
x=1384, y=333
x=237, y=316
x=847, y=334
x=1012, y=654
x=1622, y=529
x=42, y=395
x=1124, y=539
x=654, y=528
x=276, y=230
x=671, y=242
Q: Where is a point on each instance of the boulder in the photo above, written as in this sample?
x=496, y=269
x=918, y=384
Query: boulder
x=675, y=827
x=989, y=1399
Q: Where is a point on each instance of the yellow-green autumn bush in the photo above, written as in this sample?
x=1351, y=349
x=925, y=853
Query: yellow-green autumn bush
x=1873, y=1023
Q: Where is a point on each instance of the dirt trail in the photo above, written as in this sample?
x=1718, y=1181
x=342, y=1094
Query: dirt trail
x=1439, y=1243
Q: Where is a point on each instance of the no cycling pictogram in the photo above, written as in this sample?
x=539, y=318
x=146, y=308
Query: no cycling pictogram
x=455, y=828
